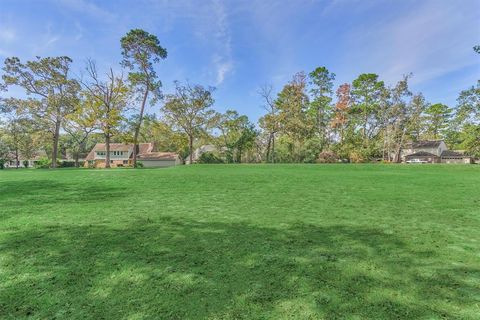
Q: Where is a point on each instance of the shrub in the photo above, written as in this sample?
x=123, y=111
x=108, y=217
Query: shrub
x=209, y=157
x=46, y=163
x=2, y=164
x=327, y=157
x=67, y=164
x=43, y=163
x=139, y=164
x=356, y=157
x=25, y=163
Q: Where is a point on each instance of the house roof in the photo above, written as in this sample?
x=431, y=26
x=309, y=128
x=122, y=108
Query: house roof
x=452, y=154
x=421, y=154
x=163, y=156
x=425, y=144
x=142, y=148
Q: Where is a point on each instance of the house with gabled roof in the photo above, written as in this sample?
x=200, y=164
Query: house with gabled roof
x=121, y=155
x=432, y=151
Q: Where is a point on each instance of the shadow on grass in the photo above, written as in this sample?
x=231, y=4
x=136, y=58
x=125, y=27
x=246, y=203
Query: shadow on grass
x=50, y=191
x=170, y=269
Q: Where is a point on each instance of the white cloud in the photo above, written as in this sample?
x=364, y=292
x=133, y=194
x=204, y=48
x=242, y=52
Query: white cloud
x=222, y=59
x=79, y=31
x=223, y=67
x=435, y=38
x=47, y=41
x=7, y=34
x=87, y=7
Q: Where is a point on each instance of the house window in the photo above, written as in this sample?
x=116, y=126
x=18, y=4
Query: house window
x=125, y=161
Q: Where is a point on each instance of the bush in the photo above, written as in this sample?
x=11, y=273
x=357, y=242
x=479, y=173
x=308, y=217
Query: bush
x=46, y=163
x=356, y=157
x=327, y=157
x=2, y=164
x=209, y=157
x=43, y=163
x=139, y=164
x=67, y=164
x=25, y=163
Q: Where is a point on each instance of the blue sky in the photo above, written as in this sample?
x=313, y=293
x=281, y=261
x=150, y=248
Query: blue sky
x=237, y=46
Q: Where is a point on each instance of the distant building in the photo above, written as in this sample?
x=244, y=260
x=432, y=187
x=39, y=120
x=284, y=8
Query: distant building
x=435, y=151
x=449, y=156
x=121, y=155
x=25, y=162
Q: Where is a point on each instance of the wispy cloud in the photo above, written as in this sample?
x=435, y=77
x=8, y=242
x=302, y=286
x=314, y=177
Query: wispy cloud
x=7, y=34
x=47, y=41
x=430, y=41
x=79, y=31
x=87, y=7
x=222, y=59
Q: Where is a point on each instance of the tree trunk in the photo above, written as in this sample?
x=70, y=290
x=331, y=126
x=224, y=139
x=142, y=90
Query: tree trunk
x=77, y=164
x=273, y=147
x=56, y=137
x=268, y=147
x=398, y=157
x=107, y=149
x=137, y=128
x=239, y=155
x=16, y=159
x=384, y=148
x=190, y=148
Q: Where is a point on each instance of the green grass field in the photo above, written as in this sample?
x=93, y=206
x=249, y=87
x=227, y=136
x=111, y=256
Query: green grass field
x=241, y=242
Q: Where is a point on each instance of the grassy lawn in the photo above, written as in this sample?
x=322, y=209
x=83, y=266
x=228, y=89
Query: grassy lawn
x=241, y=242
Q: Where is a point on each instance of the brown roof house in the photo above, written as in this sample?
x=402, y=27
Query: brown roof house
x=121, y=155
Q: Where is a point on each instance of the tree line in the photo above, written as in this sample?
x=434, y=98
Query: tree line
x=308, y=120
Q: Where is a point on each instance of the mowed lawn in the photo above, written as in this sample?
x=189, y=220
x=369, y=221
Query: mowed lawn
x=241, y=242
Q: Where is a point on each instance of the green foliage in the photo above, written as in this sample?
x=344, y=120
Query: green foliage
x=437, y=119
x=140, y=50
x=67, y=164
x=189, y=110
x=320, y=107
x=4, y=153
x=366, y=94
x=25, y=163
x=43, y=163
x=209, y=158
x=237, y=135
x=139, y=164
x=327, y=157
x=49, y=81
